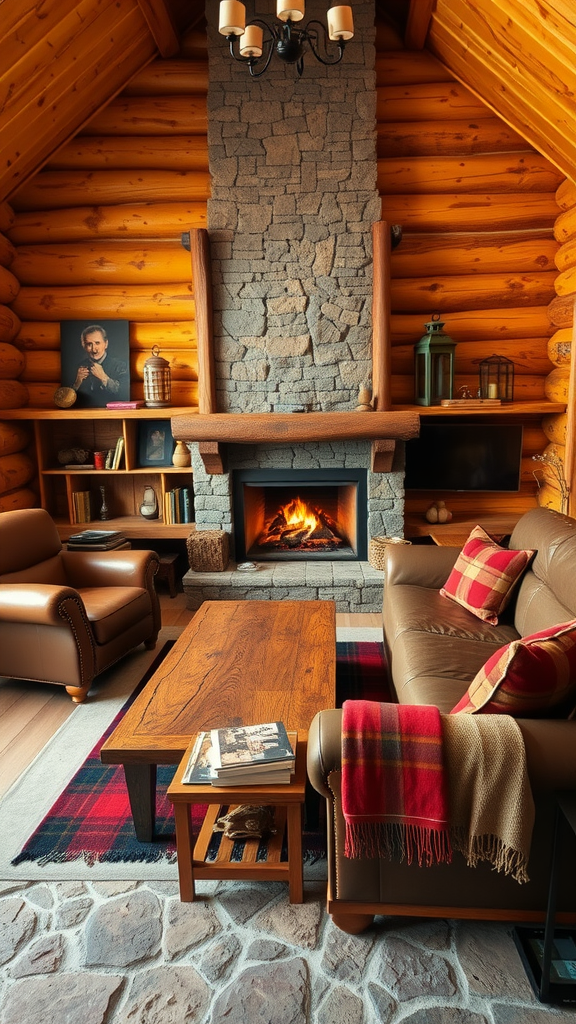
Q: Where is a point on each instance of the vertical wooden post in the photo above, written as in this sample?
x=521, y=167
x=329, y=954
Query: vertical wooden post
x=381, y=345
x=570, y=450
x=202, y=278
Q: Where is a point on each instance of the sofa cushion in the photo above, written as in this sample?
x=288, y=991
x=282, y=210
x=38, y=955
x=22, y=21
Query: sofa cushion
x=534, y=675
x=485, y=575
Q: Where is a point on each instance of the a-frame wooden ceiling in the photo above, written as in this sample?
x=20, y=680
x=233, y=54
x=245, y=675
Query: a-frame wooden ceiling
x=62, y=60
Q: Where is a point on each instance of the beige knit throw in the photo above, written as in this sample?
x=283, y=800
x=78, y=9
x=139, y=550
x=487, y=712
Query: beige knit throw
x=491, y=805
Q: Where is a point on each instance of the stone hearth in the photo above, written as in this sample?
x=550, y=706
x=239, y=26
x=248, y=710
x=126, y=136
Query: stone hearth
x=353, y=585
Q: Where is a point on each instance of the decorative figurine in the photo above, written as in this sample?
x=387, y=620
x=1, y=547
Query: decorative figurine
x=104, y=510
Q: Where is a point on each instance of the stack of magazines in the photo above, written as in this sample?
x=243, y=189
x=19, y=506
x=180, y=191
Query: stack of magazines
x=245, y=755
x=96, y=540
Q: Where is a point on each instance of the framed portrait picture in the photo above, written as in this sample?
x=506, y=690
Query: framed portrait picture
x=155, y=443
x=95, y=359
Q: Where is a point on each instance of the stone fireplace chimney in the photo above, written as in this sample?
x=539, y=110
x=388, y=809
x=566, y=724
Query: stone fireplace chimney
x=294, y=197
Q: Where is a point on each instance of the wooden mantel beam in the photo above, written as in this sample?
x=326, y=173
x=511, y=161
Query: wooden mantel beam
x=296, y=428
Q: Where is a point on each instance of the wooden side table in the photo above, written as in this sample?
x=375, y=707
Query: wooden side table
x=288, y=801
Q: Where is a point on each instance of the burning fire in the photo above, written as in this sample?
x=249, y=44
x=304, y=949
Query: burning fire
x=298, y=524
x=300, y=517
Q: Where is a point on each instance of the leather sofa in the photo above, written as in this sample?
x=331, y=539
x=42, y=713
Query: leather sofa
x=65, y=616
x=434, y=649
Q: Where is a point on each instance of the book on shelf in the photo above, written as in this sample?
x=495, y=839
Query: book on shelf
x=179, y=505
x=125, y=405
x=118, y=452
x=81, y=506
x=200, y=768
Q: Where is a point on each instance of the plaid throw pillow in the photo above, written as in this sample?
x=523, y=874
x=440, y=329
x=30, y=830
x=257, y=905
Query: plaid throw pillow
x=531, y=676
x=484, y=576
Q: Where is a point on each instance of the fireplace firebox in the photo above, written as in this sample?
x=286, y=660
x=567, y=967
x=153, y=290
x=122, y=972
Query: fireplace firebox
x=300, y=514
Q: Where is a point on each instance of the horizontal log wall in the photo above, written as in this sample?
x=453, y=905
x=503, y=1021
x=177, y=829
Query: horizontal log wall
x=477, y=207
x=97, y=233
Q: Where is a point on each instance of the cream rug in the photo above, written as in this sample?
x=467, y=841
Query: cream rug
x=32, y=795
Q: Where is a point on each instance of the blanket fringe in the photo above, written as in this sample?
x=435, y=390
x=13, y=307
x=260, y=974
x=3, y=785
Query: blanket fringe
x=490, y=848
x=397, y=841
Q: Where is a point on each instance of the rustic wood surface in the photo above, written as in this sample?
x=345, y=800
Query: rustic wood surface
x=236, y=663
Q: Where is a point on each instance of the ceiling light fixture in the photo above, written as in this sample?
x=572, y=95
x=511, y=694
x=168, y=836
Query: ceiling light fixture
x=255, y=43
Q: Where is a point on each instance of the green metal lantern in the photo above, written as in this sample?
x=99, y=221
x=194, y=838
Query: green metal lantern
x=434, y=365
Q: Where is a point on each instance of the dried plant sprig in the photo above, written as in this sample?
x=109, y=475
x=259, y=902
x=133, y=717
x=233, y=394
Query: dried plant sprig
x=555, y=463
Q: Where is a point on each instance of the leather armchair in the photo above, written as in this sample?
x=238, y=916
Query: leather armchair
x=65, y=616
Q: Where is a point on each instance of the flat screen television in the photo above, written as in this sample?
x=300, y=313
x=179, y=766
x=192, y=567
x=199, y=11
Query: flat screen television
x=464, y=457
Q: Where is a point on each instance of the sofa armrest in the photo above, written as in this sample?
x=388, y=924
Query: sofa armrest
x=550, y=745
x=418, y=565
x=324, y=752
x=110, y=568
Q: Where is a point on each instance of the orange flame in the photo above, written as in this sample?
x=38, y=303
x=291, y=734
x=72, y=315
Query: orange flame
x=299, y=516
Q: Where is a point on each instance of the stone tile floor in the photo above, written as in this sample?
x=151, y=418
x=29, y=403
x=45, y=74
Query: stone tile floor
x=132, y=953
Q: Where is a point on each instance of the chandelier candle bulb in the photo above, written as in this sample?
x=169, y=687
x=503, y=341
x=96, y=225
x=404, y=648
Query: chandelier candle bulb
x=340, y=23
x=251, y=41
x=290, y=10
x=232, y=18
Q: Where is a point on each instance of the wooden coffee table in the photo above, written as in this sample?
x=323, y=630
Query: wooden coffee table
x=236, y=663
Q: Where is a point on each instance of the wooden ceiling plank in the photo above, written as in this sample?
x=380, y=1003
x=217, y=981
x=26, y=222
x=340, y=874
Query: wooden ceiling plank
x=35, y=69
x=515, y=44
x=417, y=23
x=511, y=102
x=71, y=100
x=161, y=26
x=23, y=26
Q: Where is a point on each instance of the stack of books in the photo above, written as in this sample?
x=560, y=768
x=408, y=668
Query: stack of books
x=81, y=506
x=96, y=540
x=245, y=755
x=179, y=505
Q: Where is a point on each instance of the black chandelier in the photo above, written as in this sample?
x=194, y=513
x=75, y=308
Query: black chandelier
x=255, y=43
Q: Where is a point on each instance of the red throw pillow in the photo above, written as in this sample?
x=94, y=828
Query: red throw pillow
x=484, y=576
x=534, y=675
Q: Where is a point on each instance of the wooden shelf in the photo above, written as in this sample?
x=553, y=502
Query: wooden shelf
x=518, y=409
x=27, y=413
x=56, y=430
x=133, y=527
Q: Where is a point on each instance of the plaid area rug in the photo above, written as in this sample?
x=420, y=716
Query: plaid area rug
x=91, y=819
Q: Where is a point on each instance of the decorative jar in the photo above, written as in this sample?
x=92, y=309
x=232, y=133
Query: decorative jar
x=157, y=380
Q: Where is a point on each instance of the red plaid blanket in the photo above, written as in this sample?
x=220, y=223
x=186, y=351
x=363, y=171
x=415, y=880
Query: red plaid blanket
x=394, y=794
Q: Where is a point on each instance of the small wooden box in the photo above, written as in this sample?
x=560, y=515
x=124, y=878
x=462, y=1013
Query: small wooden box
x=208, y=550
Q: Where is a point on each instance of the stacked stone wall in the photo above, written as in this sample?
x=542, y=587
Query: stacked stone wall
x=294, y=197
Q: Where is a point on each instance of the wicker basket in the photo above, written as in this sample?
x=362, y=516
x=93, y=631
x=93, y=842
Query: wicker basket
x=208, y=550
x=377, y=549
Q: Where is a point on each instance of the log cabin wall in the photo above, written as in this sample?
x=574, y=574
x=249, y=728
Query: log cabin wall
x=97, y=233
x=477, y=208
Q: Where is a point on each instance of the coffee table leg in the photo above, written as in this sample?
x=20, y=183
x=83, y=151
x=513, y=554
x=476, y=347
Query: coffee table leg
x=184, y=841
x=295, y=869
x=141, y=785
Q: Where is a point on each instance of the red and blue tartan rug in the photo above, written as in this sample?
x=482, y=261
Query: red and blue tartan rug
x=91, y=818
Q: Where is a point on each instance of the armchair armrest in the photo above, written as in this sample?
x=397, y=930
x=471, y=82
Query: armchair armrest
x=110, y=568
x=419, y=565
x=39, y=603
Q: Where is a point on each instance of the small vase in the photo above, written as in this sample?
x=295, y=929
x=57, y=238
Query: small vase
x=181, y=456
x=104, y=510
